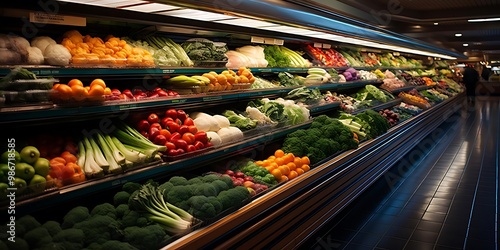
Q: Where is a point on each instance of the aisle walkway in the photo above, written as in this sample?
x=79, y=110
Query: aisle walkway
x=442, y=195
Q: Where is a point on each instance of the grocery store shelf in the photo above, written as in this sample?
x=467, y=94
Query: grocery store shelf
x=153, y=170
x=285, y=217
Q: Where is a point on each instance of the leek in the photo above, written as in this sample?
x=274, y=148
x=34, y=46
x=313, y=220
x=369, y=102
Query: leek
x=81, y=154
x=117, y=154
x=98, y=156
x=132, y=156
x=113, y=165
x=91, y=168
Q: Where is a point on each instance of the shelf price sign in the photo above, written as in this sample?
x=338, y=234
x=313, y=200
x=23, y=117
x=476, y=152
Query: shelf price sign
x=41, y=17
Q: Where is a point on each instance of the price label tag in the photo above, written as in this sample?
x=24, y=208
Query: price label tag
x=41, y=17
x=256, y=39
x=179, y=101
x=279, y=41
x=212, y=98
x=168, y=71
x=318, y=45
x=326, y=46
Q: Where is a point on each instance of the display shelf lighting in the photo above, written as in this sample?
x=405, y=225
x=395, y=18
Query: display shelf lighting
x=458, y=34
x=143, y=6
x=484, y=20
x=465, y=44
x=151, y=7
x=199, y=15
x=247, y=22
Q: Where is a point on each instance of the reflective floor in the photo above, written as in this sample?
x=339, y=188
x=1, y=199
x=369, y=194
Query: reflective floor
x=442, y=195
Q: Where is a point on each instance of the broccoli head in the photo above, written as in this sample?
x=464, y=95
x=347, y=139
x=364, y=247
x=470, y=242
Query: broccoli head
x=19, y=244
x=166, y=186
x=315, y=154
x=309, y=140
x=216, y=203
x=121, y=210
x=117, y=245
x=227, y=180
x=297, y=133
x=145, y=238
x=323, y=119
x=104, y=209
x=233, y=197
x=99, y=228
x=205, y=189
x=178, y=194
x=295, y=146
x=201, y=208
x=210, y=178
x=38, y=237
x=53, y=227
x=121, y=198
x=179, y=181
x=130, y=187
x=131, y=218
x=25, y=224
x=195, y=180
x=220, y=185
x=70, y=238
x=328, y=146
x=75, y=215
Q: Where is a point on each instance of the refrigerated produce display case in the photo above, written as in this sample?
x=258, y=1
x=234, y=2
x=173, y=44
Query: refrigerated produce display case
x=104, y=98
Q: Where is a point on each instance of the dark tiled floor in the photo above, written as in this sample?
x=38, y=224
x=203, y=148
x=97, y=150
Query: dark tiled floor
x=442, y=195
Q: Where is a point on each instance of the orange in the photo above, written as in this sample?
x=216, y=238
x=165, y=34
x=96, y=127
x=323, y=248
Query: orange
x=269, y=169
x=273, y=165
x=279, y=161
x=99, y=82
x=277, y=174
x=291, y=166
x=298, y=162
x=288, y=158
x=305, y=160
x=292, y=175
x=107, y=91
x=266, y=163
x=55, y=85
x=96, y=90
x=279, y=153
x=64, y=91
x=79, y=92
x=74, y=82
x=283, y=178
x=259, y=163
x=284, y=169
x=306, y=168
x=272, y=157
x=299, y=171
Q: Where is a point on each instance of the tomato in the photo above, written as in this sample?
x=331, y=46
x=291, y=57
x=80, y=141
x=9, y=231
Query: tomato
x=201, y=136
x=175, y=136
x=193, y=129
x=183, y=129
x=191, y=148
x=172, y=126
x=170, y=145
x=165, y=133
x=181, y=114
x=188, y=137
x=172, y=113
x=188, y=121
x=164, y=121
x=160, y=140
x=172, y=152
x=143, y=125
x=153, y=133
x=153, y=118
x=180, y=143
x=199, y=145
x=155, y=125
x=178, y=121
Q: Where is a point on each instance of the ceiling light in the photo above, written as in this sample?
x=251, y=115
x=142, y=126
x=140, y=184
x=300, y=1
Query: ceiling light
x=196, y=14
x=465, y=44
x=458, y=34
x=247, y=22
x=151, y=7
x=436, y=23
x=484, y=20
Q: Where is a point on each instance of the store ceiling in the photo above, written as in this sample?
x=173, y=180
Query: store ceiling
x=417, y=18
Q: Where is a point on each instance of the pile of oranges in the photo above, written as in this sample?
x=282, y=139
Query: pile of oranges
x=76, y=91
x=285, y=166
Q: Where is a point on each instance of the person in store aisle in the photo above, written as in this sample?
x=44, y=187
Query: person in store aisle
x=470, y=79
x=486, y=73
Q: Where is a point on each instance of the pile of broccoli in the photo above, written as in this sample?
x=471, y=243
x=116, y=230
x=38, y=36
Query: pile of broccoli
x=325, y=137
x=204, y=50
x=204, y=197
x=106, y=226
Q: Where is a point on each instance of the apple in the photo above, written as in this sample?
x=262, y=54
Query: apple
x=248, y=178
x=229, y=172
x=237, y=183
x=248, y=184
x=115, y=92
x=239, y=174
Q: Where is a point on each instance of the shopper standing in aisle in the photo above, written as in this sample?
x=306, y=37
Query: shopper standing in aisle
x=485, y=74
x=470, y=79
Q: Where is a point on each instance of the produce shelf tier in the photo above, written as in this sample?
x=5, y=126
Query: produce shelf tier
x=285, y=217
